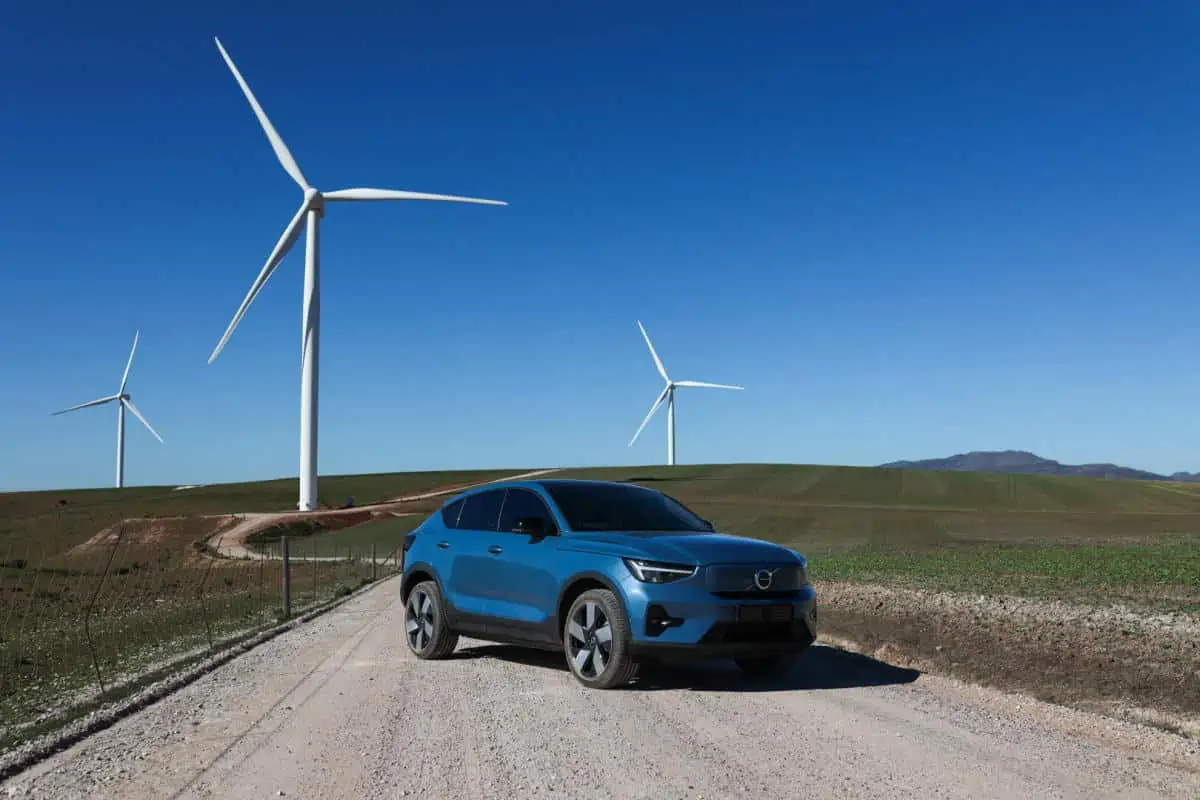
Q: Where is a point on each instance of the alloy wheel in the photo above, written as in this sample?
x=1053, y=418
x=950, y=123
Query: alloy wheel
x=419, y=623
x=589, y=640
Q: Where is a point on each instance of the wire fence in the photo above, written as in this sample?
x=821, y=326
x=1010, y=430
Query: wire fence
x=93, y=606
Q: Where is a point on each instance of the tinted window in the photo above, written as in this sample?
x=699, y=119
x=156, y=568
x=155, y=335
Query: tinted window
x=524, y=503
x=622, y=507
x=481, y=511
x=450, y=513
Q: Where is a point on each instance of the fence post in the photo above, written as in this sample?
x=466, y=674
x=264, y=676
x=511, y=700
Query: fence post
x=287, y=579
x=374, y=568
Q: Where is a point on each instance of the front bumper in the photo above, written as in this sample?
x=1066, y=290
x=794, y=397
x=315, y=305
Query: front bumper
x=685, y=620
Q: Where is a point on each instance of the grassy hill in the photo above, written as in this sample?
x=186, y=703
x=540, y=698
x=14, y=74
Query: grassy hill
x=224, y=498
x=1022, y=533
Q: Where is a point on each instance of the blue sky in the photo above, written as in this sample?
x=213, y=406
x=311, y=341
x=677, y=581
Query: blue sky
x=907, y=231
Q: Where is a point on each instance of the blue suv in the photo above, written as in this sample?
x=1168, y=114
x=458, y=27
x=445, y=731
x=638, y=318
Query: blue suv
x=612, y=574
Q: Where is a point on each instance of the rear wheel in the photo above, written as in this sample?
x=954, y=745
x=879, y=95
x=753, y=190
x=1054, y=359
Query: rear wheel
x=767, y=666
x=425, y=628
x=596, y=641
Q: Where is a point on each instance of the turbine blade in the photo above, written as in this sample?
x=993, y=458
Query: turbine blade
x=290, y=234
x=703, y=385
x=129, y=404
x=657, y=361
x=128, y=364
x=397, y=194
x=653, y=408
x=98, y=402
x=281, y=151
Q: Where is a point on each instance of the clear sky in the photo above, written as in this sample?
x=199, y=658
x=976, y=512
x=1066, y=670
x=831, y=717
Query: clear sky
x=908, y=229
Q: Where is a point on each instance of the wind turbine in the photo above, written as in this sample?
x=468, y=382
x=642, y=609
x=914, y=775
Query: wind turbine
x=668, y=394
x=124, y=401
x=312, y=209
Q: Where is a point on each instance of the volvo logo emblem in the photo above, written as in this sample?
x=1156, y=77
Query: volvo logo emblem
x=763, y=578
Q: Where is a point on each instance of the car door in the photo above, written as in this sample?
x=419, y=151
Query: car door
x=440, y=550
x=521, y=585
x=470, y=564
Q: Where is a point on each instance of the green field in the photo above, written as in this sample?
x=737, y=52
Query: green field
x=1094, y=540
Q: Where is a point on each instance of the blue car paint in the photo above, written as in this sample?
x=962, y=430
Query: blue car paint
x=516, y=593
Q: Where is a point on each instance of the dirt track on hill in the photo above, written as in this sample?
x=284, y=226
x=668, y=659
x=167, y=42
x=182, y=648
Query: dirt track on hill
x=231, y=540
x=339, y=708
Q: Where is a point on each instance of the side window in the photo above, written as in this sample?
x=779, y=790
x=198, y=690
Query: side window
x=450, y=513
x=481, y=511
x=524, y=503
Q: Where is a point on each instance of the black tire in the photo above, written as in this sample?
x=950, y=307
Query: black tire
x=432, y=638
x=616, y=667
x=768, y=667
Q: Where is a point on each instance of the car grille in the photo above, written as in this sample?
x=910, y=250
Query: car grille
x=736, y=581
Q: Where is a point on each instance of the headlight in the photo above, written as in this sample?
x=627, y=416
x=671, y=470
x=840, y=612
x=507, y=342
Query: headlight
x=801, y=569
x=657, y=571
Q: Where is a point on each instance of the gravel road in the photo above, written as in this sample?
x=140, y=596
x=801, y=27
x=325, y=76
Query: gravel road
x=338, y=708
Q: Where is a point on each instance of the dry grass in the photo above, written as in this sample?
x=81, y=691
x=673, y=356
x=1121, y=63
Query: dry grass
x=126, y=597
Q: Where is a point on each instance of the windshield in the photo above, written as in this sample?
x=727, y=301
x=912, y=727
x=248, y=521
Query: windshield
x=623, y=508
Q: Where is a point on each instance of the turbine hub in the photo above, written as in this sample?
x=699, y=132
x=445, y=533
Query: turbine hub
x=314, y=200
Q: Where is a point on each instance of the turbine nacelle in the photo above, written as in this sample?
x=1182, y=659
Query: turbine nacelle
x=314, y=200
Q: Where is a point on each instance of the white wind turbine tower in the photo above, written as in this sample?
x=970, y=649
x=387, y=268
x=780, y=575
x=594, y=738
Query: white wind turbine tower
x=124, y=401
x=668, y=394
x=312, y=209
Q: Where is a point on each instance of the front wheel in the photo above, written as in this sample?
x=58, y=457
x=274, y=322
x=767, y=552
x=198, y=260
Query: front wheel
x=596, y=641
x=425, y=628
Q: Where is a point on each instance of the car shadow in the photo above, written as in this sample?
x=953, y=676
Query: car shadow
x=821, y=667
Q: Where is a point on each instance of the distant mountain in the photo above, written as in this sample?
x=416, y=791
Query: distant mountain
x=1025, y=463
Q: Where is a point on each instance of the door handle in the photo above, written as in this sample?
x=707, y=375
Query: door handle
x=443, y=545
x=496, y=549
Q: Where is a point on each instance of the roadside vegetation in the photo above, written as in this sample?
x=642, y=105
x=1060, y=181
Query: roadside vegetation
x=101, y=589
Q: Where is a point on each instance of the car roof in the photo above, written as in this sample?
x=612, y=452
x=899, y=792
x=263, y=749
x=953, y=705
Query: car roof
x=543, y=483
x=552, y=482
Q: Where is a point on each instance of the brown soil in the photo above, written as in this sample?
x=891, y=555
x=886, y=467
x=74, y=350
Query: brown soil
x=1112, y=661
x=141, y=531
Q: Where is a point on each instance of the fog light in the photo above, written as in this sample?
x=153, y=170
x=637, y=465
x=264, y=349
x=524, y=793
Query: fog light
x=658, y=620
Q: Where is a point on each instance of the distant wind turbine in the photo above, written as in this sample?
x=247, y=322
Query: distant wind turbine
x=312, y=208
x=124, y=401
x=668, y=394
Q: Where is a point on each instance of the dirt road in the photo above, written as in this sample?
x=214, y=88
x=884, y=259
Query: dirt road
x=338, y=708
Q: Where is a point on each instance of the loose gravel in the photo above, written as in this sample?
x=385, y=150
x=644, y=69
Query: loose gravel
x=339, y=708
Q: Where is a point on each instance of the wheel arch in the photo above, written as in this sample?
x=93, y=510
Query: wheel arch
x=577, y=585
x=419, y=571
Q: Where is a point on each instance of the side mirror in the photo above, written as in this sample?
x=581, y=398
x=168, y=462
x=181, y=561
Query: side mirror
x=531, y=526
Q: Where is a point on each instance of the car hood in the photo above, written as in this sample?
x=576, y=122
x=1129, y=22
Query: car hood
x=684, y=548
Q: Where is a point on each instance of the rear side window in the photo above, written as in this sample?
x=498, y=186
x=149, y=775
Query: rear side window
x=481, y=512
x=450, y=513
x=524, y=503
